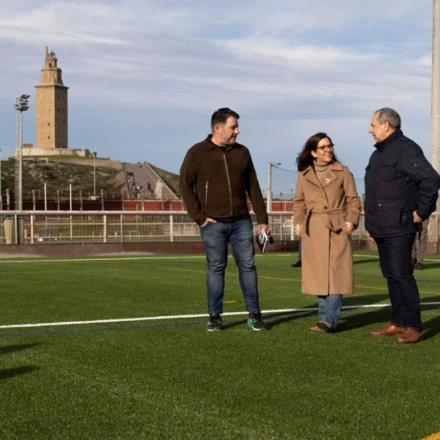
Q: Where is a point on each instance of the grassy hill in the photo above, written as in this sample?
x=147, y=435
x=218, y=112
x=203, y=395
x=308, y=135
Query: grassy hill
x=61, y=171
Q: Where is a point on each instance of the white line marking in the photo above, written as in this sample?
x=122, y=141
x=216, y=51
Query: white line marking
x=201, y=315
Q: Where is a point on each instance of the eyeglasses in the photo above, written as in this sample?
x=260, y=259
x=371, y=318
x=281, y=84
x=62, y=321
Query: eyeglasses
x=329, y=146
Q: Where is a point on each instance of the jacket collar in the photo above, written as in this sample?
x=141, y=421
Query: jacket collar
x=335, y=166
x=212, y=146
x=389, y=140
x=309, y=174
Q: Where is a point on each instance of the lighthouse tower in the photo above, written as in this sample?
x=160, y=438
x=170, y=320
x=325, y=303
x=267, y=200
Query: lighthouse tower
x=51, y=106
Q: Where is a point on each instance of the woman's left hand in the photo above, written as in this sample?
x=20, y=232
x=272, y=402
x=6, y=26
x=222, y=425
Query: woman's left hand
x=350, y=227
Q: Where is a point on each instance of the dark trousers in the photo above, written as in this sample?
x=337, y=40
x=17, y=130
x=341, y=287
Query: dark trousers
x=396, y=265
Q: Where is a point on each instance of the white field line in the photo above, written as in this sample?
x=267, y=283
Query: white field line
x=156, y=258
x=201, y=315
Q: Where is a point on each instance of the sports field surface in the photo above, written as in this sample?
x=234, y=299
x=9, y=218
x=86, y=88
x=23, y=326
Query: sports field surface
x=117, y=348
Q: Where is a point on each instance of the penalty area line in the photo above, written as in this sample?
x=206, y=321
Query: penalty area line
x=192, y=316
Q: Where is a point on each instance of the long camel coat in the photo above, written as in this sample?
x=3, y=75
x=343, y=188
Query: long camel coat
x=322, y=210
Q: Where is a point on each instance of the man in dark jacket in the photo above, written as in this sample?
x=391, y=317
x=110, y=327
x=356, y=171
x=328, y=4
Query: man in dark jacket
x=401, y=190
x=216, y=176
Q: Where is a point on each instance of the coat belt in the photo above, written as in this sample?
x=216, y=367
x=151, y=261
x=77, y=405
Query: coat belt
x=330, y=218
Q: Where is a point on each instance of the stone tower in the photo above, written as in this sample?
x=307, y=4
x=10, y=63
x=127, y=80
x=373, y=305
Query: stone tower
x=51, y=106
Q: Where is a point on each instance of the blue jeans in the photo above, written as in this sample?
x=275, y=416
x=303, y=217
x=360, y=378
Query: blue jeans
x=397, y=268
x=330, y=307
x=215, y=237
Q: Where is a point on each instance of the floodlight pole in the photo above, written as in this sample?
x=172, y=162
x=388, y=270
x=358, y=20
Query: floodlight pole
x=21, y=105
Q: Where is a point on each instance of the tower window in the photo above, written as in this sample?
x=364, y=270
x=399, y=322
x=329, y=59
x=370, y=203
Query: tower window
x=48, y=137
x=48, y=123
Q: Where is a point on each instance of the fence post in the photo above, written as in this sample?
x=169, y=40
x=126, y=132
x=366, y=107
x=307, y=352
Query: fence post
x=32, y=228
x=16, y=228
x=122, y=228
x=8, y=224
x=171, y=228
x=282, y=227
x=292, y=229
x=105, y=228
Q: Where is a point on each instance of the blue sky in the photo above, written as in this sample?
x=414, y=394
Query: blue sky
x=145, y=76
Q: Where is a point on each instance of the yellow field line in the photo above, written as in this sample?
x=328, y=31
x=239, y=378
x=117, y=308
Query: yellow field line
x=433, y=437
x=235, y=275
x=291, y=280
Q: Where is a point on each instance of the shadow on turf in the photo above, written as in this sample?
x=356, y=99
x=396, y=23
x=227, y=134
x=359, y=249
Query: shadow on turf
x=431, y=328
x=12, y=372
x=429, y=265
x=273, y=319
x=369, y=260
x=230, y=324
x=364, y=319
x=14, y=348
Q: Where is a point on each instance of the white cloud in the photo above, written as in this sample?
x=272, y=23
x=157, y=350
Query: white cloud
x=299, y=64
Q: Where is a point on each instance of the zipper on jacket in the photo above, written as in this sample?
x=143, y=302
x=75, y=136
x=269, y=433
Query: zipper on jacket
x=229, y=183
x=206, y=193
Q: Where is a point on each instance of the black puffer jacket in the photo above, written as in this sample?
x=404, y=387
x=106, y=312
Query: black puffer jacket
x=398, y=181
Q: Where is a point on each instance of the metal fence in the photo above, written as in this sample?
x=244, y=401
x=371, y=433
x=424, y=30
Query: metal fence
x=34, y=227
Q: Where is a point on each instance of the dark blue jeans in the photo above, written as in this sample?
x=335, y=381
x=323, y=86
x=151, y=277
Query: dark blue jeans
x=215, y=237
x=397, y=268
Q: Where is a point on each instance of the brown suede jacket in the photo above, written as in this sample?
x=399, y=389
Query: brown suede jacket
x=214, y=183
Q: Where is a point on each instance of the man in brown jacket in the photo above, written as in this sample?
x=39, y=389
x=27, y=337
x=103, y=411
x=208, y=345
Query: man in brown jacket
x=216, y=176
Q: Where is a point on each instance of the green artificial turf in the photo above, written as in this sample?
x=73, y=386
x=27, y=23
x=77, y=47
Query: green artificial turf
x=171, y=379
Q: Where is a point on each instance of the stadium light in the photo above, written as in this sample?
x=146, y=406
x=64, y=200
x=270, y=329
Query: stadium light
x=21, y=105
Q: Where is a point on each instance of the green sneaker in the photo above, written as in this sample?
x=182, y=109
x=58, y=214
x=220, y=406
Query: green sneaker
x=255, y=322
x=215, y=323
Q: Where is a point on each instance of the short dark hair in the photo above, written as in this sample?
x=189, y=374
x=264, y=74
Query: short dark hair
x=221, y=115
x=389, y=115
x=305, y=158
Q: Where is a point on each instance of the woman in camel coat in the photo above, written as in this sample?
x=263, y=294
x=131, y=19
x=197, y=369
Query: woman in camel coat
x=326, y=211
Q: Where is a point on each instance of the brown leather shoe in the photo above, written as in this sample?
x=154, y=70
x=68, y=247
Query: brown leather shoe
x=410, y=337
x=325, y=326
x=388, y=330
